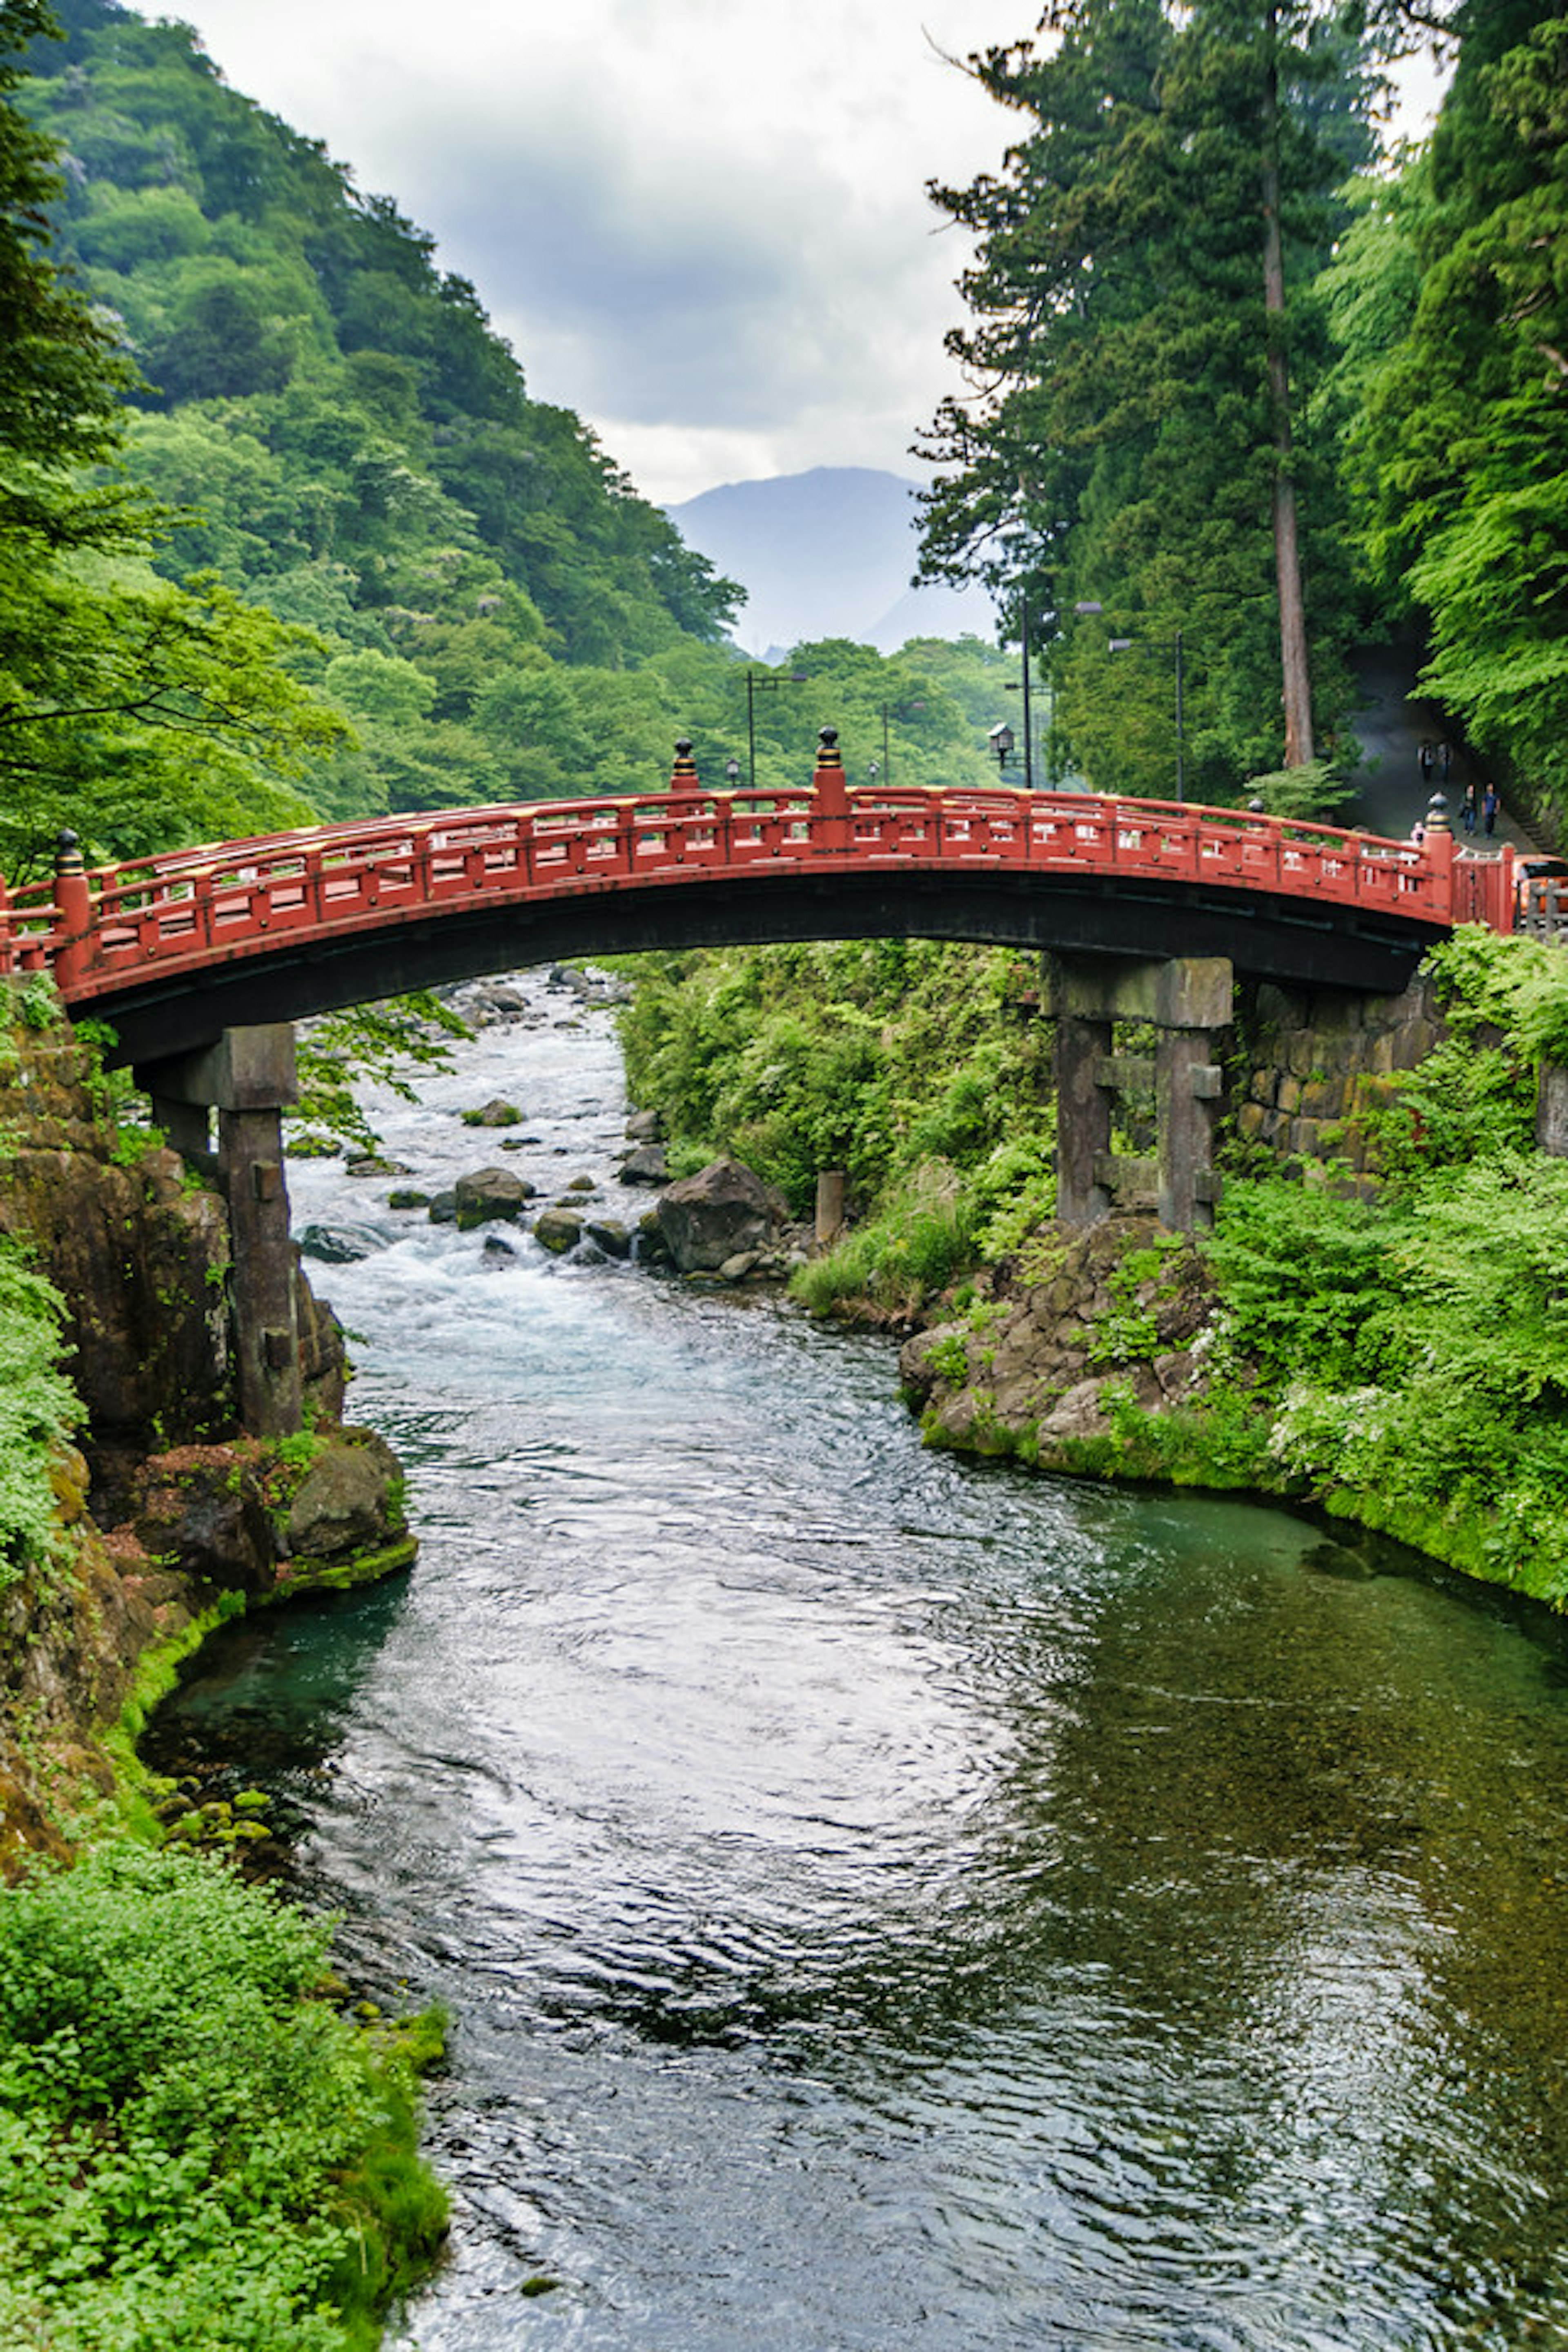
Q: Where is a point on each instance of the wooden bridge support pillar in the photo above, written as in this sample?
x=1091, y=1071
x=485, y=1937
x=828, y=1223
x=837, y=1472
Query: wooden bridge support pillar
x=1188, y=1001
x=247, y=1078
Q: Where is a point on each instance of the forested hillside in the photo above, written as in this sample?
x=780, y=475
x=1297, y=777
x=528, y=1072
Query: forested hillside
x=493, y=612
x=1238, y=395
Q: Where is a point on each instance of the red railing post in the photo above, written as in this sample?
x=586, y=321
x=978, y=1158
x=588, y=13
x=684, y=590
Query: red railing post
x=1503, y=906
x=71, y=942
x=683, y=775
x=831, y=812
x=8, y=964
x=1439, y=849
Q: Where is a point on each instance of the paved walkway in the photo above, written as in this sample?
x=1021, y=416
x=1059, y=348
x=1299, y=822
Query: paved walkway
x=1390, y=726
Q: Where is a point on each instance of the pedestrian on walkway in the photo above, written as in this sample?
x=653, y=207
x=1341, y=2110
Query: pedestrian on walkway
x=1425, y=756
x=1489, y=806
x=1468, y=811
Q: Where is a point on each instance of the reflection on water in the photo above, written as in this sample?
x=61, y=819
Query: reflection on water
x=886, y=1901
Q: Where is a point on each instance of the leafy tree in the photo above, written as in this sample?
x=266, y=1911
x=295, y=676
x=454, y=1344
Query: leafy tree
x=1135, y=444
x=1462, y=458
x=62, y=376
x=134, y=711
x=372, y=1044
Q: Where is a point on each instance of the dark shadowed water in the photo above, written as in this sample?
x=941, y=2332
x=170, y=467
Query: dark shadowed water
x=886, y=1902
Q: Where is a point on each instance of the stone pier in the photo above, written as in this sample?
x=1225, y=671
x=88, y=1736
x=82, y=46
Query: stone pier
x=1188, y=1000
x=247, y=1077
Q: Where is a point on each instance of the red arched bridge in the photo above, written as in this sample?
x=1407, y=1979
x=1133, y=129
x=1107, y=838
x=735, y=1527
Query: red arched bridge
x=173, y=950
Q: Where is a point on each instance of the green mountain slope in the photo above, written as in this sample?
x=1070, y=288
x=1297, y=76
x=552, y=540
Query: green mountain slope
x=357, y=441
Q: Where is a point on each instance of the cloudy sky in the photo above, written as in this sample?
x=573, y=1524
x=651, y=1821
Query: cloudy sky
x=701, y=224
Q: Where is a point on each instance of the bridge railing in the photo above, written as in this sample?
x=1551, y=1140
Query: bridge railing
x=194, y=908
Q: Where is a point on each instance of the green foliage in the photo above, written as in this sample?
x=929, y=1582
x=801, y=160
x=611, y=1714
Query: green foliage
x=1505, y=1001
x=1467, y=1448
x=193, y=2152
x=141, y=712
x=38, y=1002
x=1123, y=452
x=1451, y=311
x=872, y=1057
x=369, y=1044
x=1014, y=1189
x=39, y=1411
x=1302, y=1275
x=1517, y=986
x=1313, y=794
x=1416, y=1351
x=1128, y=1332
x=61, y=378
x=351, y=446
x=900, y=1259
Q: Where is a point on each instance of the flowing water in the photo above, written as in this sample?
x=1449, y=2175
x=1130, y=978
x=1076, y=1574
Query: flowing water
x=886, y=1901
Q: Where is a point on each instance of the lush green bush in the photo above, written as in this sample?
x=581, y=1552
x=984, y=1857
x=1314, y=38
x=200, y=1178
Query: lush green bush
x=919, y=1241
x=1303, y=1275
x=195, y=2156
x=874, y=1058
x=1416, y=1346
x=39, y=1409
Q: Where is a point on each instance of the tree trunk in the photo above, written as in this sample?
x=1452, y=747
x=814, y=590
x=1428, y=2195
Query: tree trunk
x=1298, y=688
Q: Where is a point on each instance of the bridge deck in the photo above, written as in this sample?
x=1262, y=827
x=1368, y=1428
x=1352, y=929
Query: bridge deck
x=302, y=921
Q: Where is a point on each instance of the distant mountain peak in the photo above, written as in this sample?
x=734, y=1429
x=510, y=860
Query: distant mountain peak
x=830, y=552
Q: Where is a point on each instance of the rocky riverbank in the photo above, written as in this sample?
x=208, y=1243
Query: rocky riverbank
x=162, y=1512
x=1050, y=1349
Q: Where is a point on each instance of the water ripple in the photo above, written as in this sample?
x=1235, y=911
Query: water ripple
x=887, y=1904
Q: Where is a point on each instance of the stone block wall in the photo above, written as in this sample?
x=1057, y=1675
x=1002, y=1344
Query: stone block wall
x=1313, y=1066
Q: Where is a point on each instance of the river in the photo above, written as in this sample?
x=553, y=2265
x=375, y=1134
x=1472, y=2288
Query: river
x=888, y=1903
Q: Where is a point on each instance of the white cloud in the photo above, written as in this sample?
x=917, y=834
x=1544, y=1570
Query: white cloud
x=702, y=223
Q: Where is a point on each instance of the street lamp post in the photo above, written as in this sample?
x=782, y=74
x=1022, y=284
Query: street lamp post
x=1028, y=729
x=755, y=685
x=1013, y=685
x=1130, y=645
x=906, y=710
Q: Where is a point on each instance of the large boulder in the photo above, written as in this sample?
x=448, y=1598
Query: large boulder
x=489, y=1194
x=350, y=1500
x=711, y=1217
x=201, y=1511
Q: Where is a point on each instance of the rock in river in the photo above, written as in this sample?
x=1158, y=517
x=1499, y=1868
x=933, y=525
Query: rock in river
x=647, y=1165
x=490, y=1193
x=713, y=1216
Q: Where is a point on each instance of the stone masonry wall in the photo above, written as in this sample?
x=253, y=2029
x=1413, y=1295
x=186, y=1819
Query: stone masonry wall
x=1313, y=1066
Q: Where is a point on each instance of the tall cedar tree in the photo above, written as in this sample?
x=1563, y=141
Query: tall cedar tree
x=1460, y=438
x=1134, y=440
